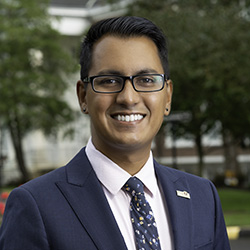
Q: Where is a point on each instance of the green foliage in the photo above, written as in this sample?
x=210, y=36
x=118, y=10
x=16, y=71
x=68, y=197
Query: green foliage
x=33, y=70
x=209, y=60
x=215, y=72
x=33, y=66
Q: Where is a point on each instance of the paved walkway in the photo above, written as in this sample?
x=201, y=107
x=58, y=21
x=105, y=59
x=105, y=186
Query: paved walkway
x=240, y=244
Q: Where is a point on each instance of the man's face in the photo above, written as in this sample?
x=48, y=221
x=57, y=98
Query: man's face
x=129, y=56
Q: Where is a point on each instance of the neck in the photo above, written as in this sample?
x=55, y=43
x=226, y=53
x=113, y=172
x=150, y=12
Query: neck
x=131, y=160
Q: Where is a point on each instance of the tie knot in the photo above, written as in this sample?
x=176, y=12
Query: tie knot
x=134, y=186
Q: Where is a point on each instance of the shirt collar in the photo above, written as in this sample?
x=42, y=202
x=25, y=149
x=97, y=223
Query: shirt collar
x=113, y=177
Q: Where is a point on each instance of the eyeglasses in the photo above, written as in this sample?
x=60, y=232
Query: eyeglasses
x=115, y=84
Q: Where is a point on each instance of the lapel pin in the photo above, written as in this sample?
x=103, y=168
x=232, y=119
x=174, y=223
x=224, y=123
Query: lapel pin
x=183, y=194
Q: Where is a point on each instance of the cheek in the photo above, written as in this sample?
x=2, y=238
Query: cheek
x=97, y=104
x=156, y=105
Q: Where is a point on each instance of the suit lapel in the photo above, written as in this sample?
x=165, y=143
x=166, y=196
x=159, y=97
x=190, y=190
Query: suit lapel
x=86, y=197
x=180, y=210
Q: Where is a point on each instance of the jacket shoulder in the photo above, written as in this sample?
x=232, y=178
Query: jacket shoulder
x=48, y=180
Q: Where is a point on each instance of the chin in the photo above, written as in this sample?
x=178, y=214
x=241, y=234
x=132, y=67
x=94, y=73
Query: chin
x=131, y=143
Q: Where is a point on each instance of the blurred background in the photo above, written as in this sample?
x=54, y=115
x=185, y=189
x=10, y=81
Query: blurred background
x=208, y=131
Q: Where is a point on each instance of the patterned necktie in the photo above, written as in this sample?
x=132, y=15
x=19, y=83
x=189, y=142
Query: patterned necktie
x=142, y=217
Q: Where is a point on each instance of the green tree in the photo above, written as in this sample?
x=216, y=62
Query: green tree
x=209, y=63
x=231, y=100
x=33, y=66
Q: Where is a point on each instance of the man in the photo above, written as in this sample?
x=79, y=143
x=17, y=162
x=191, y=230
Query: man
x=91, y=203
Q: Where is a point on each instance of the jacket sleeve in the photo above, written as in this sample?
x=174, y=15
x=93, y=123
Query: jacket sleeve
x=221, y=241
x=22, y=226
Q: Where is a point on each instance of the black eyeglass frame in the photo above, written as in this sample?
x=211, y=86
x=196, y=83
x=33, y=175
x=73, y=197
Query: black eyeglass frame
x=90, y=80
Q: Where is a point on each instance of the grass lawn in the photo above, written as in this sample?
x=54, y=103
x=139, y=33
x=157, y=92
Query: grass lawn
x=236, y=206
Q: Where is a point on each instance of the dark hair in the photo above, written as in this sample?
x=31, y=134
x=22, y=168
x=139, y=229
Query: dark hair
x=125, y=26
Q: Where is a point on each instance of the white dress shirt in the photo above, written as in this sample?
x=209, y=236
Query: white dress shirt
x=113, y=178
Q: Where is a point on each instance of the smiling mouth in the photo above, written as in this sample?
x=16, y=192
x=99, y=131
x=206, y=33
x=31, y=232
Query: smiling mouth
x=129, y=118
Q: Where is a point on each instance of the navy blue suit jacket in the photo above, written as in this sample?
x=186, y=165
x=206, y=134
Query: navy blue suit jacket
x=66, y=209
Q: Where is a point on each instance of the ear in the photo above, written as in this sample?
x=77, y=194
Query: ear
x=169, y=85
x=81, y=94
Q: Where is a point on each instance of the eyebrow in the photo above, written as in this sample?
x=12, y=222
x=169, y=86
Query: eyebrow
x=147, y=71
x=117, y=72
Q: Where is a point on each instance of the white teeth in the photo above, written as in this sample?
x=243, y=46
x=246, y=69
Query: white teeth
x=129, y=118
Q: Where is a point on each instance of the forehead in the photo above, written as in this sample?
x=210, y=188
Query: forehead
x=125, y=55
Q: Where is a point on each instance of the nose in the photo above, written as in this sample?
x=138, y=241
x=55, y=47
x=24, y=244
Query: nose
x=128, y=96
